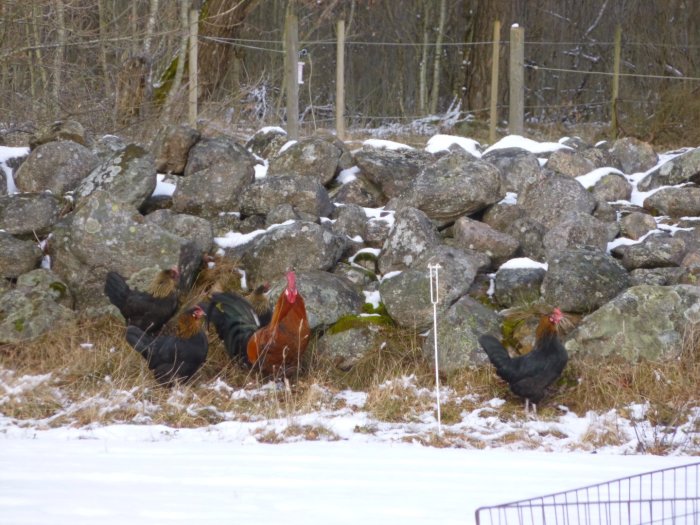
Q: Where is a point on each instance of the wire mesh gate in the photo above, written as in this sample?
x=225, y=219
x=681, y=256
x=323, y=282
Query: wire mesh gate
x=667, y=496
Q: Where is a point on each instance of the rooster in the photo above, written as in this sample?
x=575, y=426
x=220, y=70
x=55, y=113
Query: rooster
x=274, y=349
x=178, y=351
x=529, y=375
x=149, y=310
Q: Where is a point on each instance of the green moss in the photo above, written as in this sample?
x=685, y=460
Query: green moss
x=59, y=287
x=369, y=308
x=19, y=325
x=508, y=329
x=349, y=322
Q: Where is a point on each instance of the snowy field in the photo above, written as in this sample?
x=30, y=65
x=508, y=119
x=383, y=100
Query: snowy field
x=149, y=475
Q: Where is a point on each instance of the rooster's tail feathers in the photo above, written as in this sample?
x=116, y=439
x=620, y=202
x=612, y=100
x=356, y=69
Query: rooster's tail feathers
x=497, y=354
x=235, y=322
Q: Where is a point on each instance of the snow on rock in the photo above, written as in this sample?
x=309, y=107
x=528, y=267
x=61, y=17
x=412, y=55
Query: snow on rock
x=385, y=144
x=443, y=142
x=533, y=146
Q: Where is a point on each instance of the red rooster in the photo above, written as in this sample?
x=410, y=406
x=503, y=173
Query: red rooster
x=178, y=351
x=148, y=310
x=529, y=375
x=276, y=348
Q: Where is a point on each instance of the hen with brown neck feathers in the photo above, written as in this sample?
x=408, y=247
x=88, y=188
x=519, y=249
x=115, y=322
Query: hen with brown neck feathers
x=178, y=351
x=529, y=375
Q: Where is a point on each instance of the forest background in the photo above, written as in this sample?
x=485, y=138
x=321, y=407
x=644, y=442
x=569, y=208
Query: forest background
x=120, y=66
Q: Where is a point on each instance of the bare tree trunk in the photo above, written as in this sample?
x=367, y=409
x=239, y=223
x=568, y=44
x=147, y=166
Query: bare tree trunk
x=147, y=40
x=435, y=94
x=59, y=56
x=102, y=21
x=224, y=20
x=423, y=73
x=181, y=57
x=134, y=28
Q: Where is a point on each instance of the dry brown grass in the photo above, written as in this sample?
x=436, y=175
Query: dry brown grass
x=86, y=373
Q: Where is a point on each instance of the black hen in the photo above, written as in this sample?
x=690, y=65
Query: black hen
x=529, y=375
x=260, y=302
x=149, y=310
x=235, y=321
x=178, y=351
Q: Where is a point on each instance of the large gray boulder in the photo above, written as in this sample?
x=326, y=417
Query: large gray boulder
x=60, y=130
x=302, y=245
x=571, y=163
x=412, y=234
x=454, y=186
x=406, y=296
x=530, y=235
x=345, y=348
x=171, y=148
x=217, y=171
x=267, y=141
x=632, y=155
x=28, y=214
x=475, y=235
x=518, y=167
x=555, y=197
x=582, y=280
x=576, y=230
x=304, y=194
x=458, y=332
x=129, y=176
x=676, y=202
x=681, y=169
x=311, y=157
x=55, y=166
x=656, y=251
x=392, y=171
x=17, y=256
x=189, y=227
x=103, y=235
x=39, y=303
x=643, y=322
x=612, y=187
x=518, y=286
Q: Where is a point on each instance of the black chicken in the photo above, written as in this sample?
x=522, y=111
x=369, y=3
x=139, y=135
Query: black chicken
x=178, y=351
x=260, y=302
x=149, y=310
x=529, y=375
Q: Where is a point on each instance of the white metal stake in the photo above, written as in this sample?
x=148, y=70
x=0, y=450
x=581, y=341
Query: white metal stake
x=433, y=269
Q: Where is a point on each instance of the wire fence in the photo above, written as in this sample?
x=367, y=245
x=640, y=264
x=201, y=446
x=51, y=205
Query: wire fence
x=387, y=81
x=665, y=497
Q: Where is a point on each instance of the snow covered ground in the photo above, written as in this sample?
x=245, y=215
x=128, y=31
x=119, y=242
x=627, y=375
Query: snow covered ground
x=150, y=475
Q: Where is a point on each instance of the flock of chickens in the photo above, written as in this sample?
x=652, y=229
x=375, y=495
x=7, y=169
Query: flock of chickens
x=175, y=343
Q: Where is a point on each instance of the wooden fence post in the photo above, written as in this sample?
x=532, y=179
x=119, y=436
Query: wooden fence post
x=193, y=68
x=291, y=46
x=493, y=112
x=517, y=80
x=616, y=81
x=340, y=82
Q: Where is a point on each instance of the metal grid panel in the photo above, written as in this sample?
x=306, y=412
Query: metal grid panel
x=663, y=497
